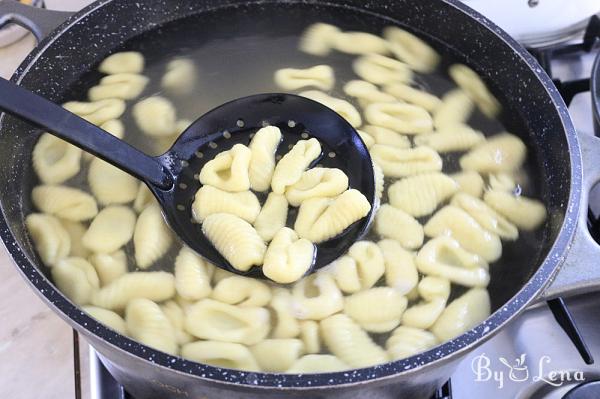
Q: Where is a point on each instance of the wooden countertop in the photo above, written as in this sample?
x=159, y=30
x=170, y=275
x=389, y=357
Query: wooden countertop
x=36, y=346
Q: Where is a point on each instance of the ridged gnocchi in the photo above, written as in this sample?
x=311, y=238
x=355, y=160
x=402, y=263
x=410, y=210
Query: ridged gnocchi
x=407, y=341
x=377, y=309
x=192, y=275
x=155, y=286
x=367, y=93
x=111, y=229
x=272, y=216
x=320, y=76
x=220, y=354
x=399, y=117
x=500, y=153
x=450, y=138
x=151, y=237
x=262, y=157
x=462, y=314
x=400, y=269
x=155, y=116
x=473, y=85
x=434, y=292
x=54, y=160
x=122, y=62
x=444, y=257
x=317, y=182
x=379, y=69
x=400, y=163
x=320, y=219
x=288, y=257
x=456, y=107
x=411, y=49
x=97, y=112
x=292, y=165
x=51, y=240
x=125, y=86
x=111, y=185
x=210, y=200
x=235, y=239
x=228, y=171
x=243, y=292
x=109, y=267
x=147, y=323
x=76, y=278
x=523, y=212
x=65, y=202
x=180, y=76
x=420, y=195
x=394, y=223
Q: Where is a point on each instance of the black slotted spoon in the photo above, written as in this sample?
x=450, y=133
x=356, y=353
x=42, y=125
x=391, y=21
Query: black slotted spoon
x=173, y=176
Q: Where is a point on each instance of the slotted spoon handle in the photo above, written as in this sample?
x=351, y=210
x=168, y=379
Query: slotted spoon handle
x=58, y=121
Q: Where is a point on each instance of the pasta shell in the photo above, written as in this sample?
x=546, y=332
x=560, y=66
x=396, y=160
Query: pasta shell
x=411, y=49
x=325, y=301
x=367, y=93
x=456, y=223
x=235, y=239
x=51, y=240
x=400, y=269
x=318, y=39
x=473, y=85
x=285, y=324
x=192, y=275
x=277, y=355
x=486, y=216
x=525, y=213
x=293, y=164
x=123, y=62
x=397, y=162
x=456, y=107
x=180, y=77
x=451, y=138
x=176, y=317
x=378, y=309
x=155, y=286
x=55, y=160
x=407, y=341
x=272, y=216
x=309, y=334
x=147, y=323
x=381, y=70
x=210, y=200
x=500, y=153
x=359, y=43
x=391, y=222
x=317, y=364
x=350, y=343
x=76, y=278
x=242, y=292
x=400, y=117
x=155, y=116
x=220, y=354
x=317, y=182
x=262, y=159
x=320, y=76
x=320, y=219
x=110, y=230
x=111, y=185
x=228, y=171
x=209, y=319
x=108, y=318
x=151, y=238
x=413, y=96
x=444, y=257
x=469, y=182
x=464, y=313
x=97, y=112
x=385, y=136
x=435, y=292
x=109, y=266
x=64, y=202
x=76, y=231
x=288, y=257
x=342, y=107
x=420, y=195
x=125, y=86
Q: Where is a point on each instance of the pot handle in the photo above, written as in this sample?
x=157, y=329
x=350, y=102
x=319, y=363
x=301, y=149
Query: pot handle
x=38, y=21
x=580, y=272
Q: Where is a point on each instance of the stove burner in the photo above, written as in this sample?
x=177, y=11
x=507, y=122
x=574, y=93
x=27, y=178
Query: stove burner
x=587, y=390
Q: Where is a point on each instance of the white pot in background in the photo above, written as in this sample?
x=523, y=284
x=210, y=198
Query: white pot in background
x=538, y=22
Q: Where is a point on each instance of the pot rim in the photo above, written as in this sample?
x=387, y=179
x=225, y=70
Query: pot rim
x=434, y=357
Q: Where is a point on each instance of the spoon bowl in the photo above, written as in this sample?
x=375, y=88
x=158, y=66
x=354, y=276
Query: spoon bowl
x=173, y=176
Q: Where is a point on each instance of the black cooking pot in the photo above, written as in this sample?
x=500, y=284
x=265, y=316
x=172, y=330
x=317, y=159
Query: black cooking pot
x=533, y=109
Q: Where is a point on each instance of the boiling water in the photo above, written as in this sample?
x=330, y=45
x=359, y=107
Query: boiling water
x=236, y=56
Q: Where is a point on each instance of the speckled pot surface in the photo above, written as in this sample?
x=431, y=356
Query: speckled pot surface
x=533, y=109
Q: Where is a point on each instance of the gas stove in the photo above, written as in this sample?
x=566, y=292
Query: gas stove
x=549, y=351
